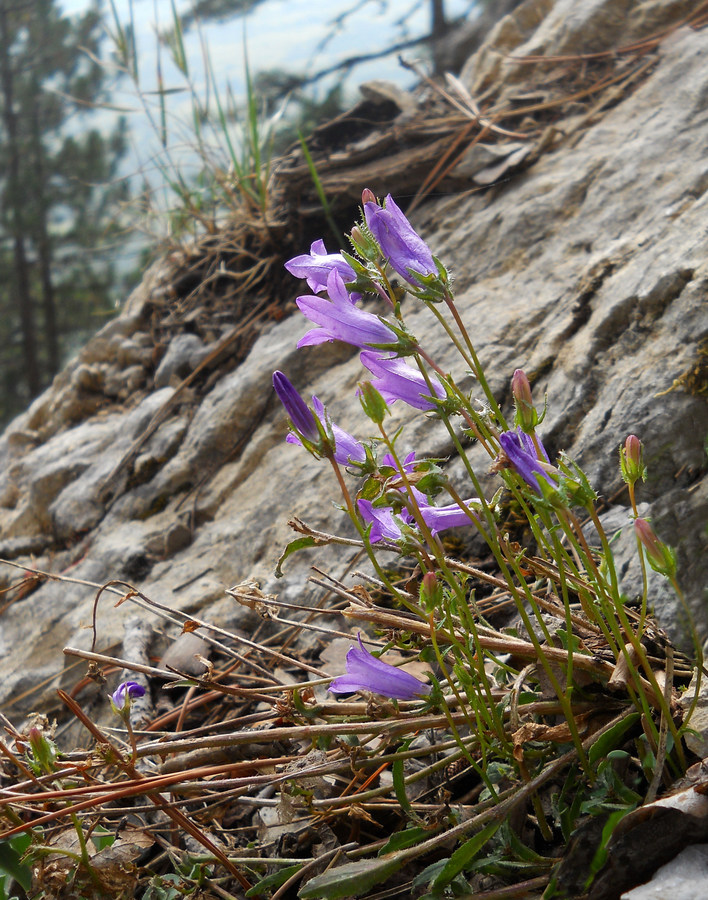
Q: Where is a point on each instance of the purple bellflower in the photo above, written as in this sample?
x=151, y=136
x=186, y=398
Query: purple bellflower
x=439, y=518
x=316, y=265
x=338, y=319
x=396, y=380
x=126, y=690
x=299, y=412
x=346, y=448
x=383, y=525
x=400, y=244
x=367, y=673
x=520, y=450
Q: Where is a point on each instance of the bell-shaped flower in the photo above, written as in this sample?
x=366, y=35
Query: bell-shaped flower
x=346, y=448
x=396, y=380
x=299, y=412
x=338, y=319
x=439, y=518
x=365, y=672
x=521, y=452
x=400, y=244
x=383, y=525
x=125, y=692
x=316, y=265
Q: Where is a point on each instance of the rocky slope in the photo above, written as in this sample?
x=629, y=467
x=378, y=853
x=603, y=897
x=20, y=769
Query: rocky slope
x=588, y=268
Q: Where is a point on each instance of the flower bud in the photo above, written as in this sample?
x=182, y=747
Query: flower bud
x=526, y=415
x=660, y=556
x=44, y=750
x=367, y=196
x=372, y=402
x=431, y=594
x=631, y=460
x=300, y=413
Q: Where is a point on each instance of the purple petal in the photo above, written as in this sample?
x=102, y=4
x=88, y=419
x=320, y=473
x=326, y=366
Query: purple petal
x=367, y=673
x=299, y=412
x=316, y=265
x=346, y=447
x=400, y=243
x=398, y=381
x=130, y=689
x=438, y=518
x=521, y=451
x=383, y=524
x=339, y=320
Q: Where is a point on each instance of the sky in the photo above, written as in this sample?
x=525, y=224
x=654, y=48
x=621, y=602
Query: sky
x=291, y=34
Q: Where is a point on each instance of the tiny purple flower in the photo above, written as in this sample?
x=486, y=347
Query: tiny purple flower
x=521, y=452
x=300, y=414
x=316, y=265
x=338, y=319
x=383, y=525
x=396, y=380
x=367, y=673
x=126, y=690
x=404, y=249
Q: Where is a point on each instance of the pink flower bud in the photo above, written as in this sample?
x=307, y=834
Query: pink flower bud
x=526, y=415
x=660, y=556
x=631, y=460
x=430, y=592
x=367, y=196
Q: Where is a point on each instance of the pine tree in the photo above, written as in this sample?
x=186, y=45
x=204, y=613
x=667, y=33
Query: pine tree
x=58, y=191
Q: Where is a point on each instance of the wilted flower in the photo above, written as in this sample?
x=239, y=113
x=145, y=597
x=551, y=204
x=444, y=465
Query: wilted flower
x=367, y=673
x=398, y=381
x=520, y=449
x=126, y=690
x=338, y=319
x=400, y=244
x=316, y=265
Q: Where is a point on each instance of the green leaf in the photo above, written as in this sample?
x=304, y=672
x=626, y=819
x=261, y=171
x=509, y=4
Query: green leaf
x=273, y=881
x=351, y=879
x=298, y=544
x=11, y=859
x=401, y=840
x=607, y=742
x=464, y=855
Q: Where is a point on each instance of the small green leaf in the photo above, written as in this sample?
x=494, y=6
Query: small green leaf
x=11, y=859
x=401, y=840
x=608, y=742
x=298, y=544
x=464, y=855
x=273, y=881
x=351, y=879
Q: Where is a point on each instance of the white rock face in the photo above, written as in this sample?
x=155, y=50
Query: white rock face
x=591, y=268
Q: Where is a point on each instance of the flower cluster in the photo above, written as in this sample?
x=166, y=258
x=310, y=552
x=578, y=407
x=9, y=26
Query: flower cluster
x=385, y=237
x=357, y=299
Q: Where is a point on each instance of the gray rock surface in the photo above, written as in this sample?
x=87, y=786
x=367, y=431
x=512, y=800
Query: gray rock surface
x=684, y=878
x=590, y=268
